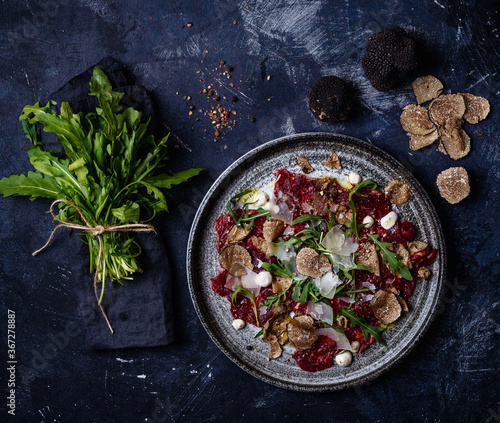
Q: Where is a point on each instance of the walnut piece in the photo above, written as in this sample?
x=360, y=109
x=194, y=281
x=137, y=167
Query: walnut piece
x=423, y=273
x=304, y=164
x=416, y=246
x=405, y=255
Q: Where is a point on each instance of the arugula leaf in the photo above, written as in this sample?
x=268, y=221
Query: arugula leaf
x=259, y=333
x=366, y=328
x=166, y=181
x=277, y=269
x=250, y=295
x=367, y=183
x=33, y=184
x=246, y=217
x=391, y=258
x=308, y=218
x=304, y=289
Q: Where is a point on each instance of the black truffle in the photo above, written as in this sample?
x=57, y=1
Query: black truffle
x=392, y=58
x=332, y=99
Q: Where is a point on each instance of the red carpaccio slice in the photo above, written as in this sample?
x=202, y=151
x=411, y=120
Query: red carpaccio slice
x=296, y=191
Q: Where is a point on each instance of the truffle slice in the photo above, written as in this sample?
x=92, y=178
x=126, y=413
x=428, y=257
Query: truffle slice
x=332, y=99
x=476, y=108
x=272, y=229
x=420, y=141
x=276, y=350
x=302, y=333
x=237, y=234
x=386, y=307
x=235, y=259
x=447, y=106
x=426, y=88
x=456, y=143
x=405, y=256
x=416, y=246
x=415, y=120
x=367, y=255
x=453, y=184
x=333, y=161
x=310, y=263
x=304, y=164
x=398, y=193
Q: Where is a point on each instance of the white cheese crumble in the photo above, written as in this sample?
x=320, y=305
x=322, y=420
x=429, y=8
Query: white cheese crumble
x=344, y=359
x=238, y=324
x=368, y=221
x=354, y=178
x=264, y=279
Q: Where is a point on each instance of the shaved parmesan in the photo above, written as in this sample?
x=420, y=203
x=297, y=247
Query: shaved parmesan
x=249, y=281
x=336, y=242
x=320, y=311
x=279, y=209
x=327, y=284
x=339, y=338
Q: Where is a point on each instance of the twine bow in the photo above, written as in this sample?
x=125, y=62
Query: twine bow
x=96, y=231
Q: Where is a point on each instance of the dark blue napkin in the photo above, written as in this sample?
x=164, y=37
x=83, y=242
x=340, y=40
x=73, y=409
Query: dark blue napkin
x=140, y=311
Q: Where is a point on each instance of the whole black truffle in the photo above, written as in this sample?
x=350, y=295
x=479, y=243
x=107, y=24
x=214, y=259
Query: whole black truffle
x=332, y=99
x=392, y=58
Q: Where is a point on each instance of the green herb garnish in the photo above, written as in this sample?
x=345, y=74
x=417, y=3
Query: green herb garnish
x=391, y=258
x=111, y=172
x=246, y=217
x=365, y=327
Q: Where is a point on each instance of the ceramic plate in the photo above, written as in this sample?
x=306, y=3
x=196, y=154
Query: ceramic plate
x=254, y=169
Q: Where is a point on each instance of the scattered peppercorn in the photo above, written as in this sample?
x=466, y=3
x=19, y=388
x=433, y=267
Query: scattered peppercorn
x=189, y=24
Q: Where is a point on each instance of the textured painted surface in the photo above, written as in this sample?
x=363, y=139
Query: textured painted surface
x=452, y=374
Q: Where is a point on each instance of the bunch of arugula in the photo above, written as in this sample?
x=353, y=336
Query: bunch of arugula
x=110, y=172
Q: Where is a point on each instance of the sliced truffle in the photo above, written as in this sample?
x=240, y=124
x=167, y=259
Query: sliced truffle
x=420, y=141
x=333, y=162
x=237, y=234
x=310, y=263
x=261, y=245
x=386, y=307
x=235, y=259
x=453, y=184
x=304, y=164
x=446, y=106
x=302, y=333
x=476, y=108
x=367, y=256
x=343, y=214
x=392, y=58
x=416, y=246
x=415, y=120
x=272, y=229
x=332, y=99
x=423, y=273
x=276, y=350
x=405, y=259
x=426, y=88
x=398, y=193
x=456, y=143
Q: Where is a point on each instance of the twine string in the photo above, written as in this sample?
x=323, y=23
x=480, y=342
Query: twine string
x=96, y=231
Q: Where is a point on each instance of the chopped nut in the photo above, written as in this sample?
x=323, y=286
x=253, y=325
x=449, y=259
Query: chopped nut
x=393, y=290
x=310, y=263
x=261, y=244
x=276, y=350
x=302, y=333
x=355, y=346
x=415, y=120
x=386, y=307
x=476, y=108
x=343, y=214
x=398, y=193
x=333, y=161
x=272, y=229
x=234, y=259
x=426, y=88
x=343, y=322
x=453, y=184
x=423, y=273
x=416, y=246
x=281, y=284
x=304, y=164
x=367, y=255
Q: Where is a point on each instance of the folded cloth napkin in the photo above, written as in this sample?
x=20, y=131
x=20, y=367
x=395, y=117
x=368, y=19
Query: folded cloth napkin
x=140, y=311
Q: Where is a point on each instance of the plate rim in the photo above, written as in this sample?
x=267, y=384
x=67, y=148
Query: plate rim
x=429, y=318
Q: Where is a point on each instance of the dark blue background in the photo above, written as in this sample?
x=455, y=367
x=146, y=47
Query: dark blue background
x=452, y=374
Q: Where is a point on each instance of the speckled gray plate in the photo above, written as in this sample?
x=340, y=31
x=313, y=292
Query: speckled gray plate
x=254, y=170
